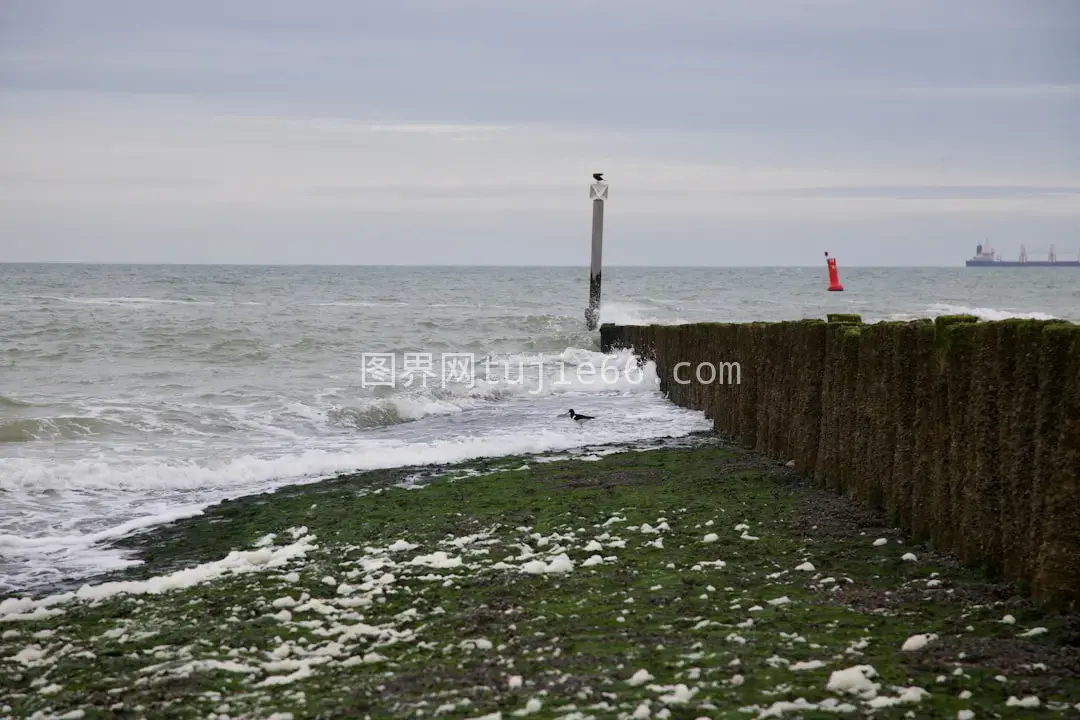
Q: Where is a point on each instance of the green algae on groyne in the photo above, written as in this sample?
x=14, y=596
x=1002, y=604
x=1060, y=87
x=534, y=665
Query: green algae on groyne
x=964, y=433
x=668, y=583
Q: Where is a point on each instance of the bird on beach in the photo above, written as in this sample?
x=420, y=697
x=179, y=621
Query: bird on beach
x=598, y=177
x=577, y=417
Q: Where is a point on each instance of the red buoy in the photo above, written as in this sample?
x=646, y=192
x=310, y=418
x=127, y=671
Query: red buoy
x=834, y=276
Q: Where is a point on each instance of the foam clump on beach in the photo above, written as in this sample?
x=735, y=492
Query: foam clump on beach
x=918, y=642
x=854, y=680
x=559, y=564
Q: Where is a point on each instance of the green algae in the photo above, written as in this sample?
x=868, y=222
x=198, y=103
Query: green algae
x=732, y=632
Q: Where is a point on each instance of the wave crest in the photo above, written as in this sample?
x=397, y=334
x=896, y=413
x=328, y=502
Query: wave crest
x=59, y=428
x=10, y=402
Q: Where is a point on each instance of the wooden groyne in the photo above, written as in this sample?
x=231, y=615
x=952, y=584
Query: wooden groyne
x=964, y=433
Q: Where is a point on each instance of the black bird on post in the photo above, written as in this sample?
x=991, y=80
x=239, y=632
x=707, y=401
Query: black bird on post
x=598, y=177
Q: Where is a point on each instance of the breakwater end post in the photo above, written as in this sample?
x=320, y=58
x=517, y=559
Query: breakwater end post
x=598, y=192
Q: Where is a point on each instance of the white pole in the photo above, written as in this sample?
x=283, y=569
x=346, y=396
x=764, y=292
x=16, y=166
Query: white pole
x=598, y=192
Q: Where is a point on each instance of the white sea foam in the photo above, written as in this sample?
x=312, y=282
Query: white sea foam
x=985, y=313
x=141, y=491
x=630, y=313
x=11, y=544
x=120, y=474
x=123, y=301
x=236, y=562
x=359, y=303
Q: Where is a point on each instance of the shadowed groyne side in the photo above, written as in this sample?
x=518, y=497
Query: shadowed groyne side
x=964, y=433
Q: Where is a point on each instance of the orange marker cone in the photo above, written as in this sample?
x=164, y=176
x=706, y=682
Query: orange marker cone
x=834, y=276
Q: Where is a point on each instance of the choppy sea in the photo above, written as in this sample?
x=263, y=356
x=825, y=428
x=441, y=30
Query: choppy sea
x=134, y=395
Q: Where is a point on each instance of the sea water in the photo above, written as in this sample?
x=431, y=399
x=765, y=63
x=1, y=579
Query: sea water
x=133, y=395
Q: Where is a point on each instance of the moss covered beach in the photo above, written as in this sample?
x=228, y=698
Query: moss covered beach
x=683, y=580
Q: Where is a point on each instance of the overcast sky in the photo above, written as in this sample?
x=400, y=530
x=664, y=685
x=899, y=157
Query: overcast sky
x=733, y=132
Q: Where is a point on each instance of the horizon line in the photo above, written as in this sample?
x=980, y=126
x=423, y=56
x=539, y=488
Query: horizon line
x=441, y=266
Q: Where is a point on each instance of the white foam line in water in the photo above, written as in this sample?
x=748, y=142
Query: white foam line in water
x=24, y=474
x=81, y=555
x=987, y=313
x=238, y=562
x=123, y=300
x=12, y=544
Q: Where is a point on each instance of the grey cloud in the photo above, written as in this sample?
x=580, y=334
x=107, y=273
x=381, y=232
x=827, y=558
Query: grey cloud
x=838, y=80
x=457, y=60
x=25, y=179
x=502, y=191
x=924, y=192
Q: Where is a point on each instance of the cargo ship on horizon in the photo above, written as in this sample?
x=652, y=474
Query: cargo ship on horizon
x=988, y=258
